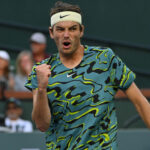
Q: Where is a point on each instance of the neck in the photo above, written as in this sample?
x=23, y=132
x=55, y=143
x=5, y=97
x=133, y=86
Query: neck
x=14, y=119
x=24, y=73
x=1, y=72
x=72, y=60
x=39, y=57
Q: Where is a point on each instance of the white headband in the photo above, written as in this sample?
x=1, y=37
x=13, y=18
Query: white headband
x=66, y=16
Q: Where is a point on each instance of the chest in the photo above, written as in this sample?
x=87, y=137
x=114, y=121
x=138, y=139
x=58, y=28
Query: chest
x=86, y=78
x=86, y=84
x=17, y=126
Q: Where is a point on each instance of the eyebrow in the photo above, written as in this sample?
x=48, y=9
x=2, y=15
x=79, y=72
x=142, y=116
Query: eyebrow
x=73, y=26
x=59, y=27
x=63, y=27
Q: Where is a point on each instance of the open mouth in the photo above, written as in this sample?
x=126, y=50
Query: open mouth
x=66, y=44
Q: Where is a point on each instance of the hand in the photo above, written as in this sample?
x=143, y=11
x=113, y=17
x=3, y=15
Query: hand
x=43, y=74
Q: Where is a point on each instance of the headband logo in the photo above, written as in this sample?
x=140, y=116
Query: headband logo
x=64, y=16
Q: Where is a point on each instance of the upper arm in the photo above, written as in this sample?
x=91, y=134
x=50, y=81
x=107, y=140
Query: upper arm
x=134, y=94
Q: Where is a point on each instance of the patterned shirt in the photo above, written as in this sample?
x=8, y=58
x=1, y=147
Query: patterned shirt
x=81, y=100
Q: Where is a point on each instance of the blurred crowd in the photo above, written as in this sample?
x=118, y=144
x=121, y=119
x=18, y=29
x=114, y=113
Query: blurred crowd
x=24, y=63
x=14, y=81
x=12, y=121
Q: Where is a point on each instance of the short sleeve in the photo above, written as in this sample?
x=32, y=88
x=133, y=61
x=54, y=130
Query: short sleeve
x=32, y=82
x=120, y=75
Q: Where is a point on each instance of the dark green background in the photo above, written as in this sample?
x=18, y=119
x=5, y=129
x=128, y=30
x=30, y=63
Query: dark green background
x=119, y=20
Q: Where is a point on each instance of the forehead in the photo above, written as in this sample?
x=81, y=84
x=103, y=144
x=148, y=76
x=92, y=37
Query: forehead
x=11, y=104
x=66, y=24
x=4, y=60
x=25, y=56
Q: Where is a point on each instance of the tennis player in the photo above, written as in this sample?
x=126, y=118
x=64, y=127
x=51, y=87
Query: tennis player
x=73, y=91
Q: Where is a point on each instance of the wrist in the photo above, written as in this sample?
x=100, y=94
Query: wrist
x=41, y=89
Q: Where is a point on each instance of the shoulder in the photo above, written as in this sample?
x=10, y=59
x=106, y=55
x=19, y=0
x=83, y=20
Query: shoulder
x=99, y=49
x=25, y=122
x=100, y=52
x=48, y=60
x=7, y=121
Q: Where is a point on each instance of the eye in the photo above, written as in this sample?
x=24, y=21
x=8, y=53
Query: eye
x=73, y=28
x=60, y=29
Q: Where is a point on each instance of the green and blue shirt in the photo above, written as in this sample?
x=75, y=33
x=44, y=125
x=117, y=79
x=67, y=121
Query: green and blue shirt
x=81, y=100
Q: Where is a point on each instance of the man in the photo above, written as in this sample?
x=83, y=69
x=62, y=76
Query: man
x=13, y=120
x=38, y=46
x=73, y=90
x=6, y=77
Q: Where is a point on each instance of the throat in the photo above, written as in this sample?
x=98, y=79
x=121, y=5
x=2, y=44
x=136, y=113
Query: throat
x=73, y=60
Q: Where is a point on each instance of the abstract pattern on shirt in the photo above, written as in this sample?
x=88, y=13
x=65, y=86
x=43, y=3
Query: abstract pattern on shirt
x=82, y=100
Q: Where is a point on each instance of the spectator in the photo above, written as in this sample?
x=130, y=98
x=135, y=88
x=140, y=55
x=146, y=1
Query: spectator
x=24, y=65
x=6, y=79
x=13, y=120
x=38, y=46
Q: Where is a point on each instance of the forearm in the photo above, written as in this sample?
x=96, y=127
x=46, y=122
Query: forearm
x=140, y=102
x=41, y=111
x=144, y=110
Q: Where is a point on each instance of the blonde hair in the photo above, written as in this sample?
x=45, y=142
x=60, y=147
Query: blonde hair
x=18, y=61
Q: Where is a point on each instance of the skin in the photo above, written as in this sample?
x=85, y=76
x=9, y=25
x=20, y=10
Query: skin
x=13, y=112
x=38, y=51
x=140, y=102
x=41, y=111
x=68, y=31
x=26, y=64
x=38, y=48
x=4, y=64
x=71, y=56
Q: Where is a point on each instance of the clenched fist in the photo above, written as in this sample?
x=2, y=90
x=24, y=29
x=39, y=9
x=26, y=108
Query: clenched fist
x=43, y=74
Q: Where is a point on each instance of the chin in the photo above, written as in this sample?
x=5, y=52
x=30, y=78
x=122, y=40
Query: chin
x=67, y=52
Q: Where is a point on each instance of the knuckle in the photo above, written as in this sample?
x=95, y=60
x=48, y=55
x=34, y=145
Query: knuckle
x=43, y=68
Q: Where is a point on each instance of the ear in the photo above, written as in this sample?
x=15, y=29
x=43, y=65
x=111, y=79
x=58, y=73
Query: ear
x=51, y=32
x=82, y=31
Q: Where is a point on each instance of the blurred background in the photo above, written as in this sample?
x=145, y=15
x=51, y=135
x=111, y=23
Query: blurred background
x=121, y=25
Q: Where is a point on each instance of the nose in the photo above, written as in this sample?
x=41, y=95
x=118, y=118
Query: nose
x=66, y=34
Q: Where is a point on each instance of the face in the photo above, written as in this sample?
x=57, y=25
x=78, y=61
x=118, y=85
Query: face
x=4, y=63
x=66, y=35
x=25, y=61
x=13, y=112
x=37, y=48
